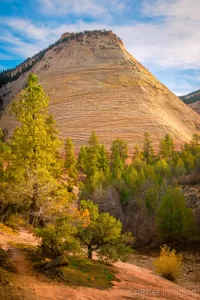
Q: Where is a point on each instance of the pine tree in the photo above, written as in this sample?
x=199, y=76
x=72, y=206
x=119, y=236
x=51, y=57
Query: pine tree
x=167, y=146
x=119, y=154
x=82, y=158
x=34, y=145
x=180, y=168
x=162, y=168
x=188, y=160
x=104, y=160
x=35, y=148
x=147, y=148
x=70, y=160
x=93, y=155
x=137, y=153
x=117, y=167
x=119, y=148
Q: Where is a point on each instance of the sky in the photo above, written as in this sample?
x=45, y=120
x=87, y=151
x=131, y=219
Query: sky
x=163, y=35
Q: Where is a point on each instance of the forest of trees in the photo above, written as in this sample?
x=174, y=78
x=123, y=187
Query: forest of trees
x=32, y=186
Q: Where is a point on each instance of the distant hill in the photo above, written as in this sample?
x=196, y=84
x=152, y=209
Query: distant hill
x=191, y=98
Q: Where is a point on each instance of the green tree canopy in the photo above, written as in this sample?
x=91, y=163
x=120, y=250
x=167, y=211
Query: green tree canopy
x=119, y=154
x=174, y=219
x=33, y=144
x=35, y=162
x=70, y=159
x=147, y=147
x=103, y=234
x=167, y=146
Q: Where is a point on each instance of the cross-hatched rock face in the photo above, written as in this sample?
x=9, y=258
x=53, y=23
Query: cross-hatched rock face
x=94, y=84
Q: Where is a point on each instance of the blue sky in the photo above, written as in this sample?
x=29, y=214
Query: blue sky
x=164, y=35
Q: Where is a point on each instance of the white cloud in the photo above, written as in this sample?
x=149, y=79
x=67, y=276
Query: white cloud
x=93, y=8
x=167, y=44
x=169, y=40
x=24, y=49
x=26, y=27
x=187, y=9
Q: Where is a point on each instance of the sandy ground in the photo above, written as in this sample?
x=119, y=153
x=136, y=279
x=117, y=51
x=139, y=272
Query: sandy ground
x=135, y=282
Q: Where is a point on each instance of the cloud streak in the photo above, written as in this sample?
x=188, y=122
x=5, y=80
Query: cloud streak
x=164, y=34
x=93, y=8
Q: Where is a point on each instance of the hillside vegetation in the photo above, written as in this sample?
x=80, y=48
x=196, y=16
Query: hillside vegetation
x=38, y=190
x=191, y=98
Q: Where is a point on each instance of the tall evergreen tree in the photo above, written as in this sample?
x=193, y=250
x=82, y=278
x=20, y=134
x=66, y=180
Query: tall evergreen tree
x=104, y=160
x=82, y=158
x=167, y=146
x=34, y=145
x=180, y=168
x=70, y=160
x=137, y=153
x=119, y=148
x=119, y=154
x=147, y=147
x=93, y=155
x=34, y=159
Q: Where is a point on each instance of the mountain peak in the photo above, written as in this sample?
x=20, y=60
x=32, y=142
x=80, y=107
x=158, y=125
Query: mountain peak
x=94, y=84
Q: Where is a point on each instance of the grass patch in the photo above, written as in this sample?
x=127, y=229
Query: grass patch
x=84, y=272
x=8, y=230
x=80, y=271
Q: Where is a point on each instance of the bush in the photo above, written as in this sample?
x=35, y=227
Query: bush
x=168, y=264
x=175, y=220
x=57, y=239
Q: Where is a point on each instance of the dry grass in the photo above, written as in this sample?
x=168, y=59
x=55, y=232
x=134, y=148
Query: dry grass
x=8, y=230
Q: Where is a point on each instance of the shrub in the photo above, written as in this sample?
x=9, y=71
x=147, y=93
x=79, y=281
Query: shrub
x=175, y=220
x=57, y=238
x=168, y=264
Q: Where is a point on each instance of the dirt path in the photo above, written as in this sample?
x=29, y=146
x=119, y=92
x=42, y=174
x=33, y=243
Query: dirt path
x=135, y=282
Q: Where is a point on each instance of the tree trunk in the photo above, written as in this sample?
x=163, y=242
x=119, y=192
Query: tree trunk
x=60, y=261
x=89, y=252
x=31, y=216
x=33, y=206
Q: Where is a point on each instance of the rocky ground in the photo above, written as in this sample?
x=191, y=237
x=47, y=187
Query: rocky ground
x=190, y=273
x=135, y=281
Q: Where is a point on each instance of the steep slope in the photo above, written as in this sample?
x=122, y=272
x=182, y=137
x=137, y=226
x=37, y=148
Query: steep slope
x=95, y=84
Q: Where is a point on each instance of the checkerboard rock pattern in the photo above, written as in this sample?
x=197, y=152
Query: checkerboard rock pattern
x=94, y=84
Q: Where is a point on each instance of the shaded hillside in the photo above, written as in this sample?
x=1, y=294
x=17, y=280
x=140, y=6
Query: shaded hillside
x=95, y=84
x=191, y=98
